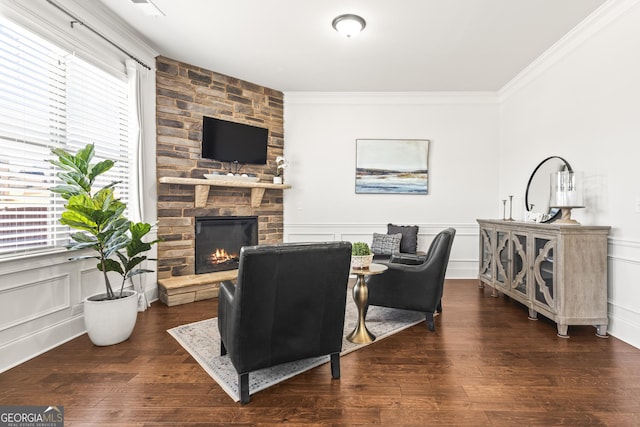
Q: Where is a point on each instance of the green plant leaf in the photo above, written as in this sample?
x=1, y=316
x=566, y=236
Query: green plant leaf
x=132, y=262
x=115, y=245
x=83, y=246
x=77, y=180
x=86, y=154
x=83, y=238
x=83, y=257
x=65, y=161
x=139, y=230
x=100, y=168
x=66, y=191
x=79, y=222
x=111, y=265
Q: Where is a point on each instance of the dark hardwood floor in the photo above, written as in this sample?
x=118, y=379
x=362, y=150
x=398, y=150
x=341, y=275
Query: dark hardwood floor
x=486, y=365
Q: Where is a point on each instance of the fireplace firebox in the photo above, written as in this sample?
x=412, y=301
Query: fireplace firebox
x=219, y=239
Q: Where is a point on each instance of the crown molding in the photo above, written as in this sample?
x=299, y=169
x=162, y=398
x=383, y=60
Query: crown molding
x=593, y=24
x=390, y=98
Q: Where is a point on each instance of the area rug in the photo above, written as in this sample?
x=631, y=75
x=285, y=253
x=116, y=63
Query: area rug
x=202, y=341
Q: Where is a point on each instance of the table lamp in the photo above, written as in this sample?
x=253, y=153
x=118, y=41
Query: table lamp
x=567, y=193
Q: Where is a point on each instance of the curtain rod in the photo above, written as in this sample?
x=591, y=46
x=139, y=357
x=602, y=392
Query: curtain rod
x=77, y=20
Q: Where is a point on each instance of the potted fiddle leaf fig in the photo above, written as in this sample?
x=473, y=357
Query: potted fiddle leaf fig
x=361, y=256
x=117, y=242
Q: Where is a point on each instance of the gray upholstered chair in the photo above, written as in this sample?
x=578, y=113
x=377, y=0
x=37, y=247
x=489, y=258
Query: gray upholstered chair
x=414, y=282
x=288, y=304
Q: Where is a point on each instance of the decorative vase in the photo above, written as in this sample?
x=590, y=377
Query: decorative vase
x=277, y=180
x=110, y=322
x=361, y=261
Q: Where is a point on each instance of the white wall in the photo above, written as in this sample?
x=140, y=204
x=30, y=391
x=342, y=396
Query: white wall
x=320, y=133
x=41, y=295
x=581, y=101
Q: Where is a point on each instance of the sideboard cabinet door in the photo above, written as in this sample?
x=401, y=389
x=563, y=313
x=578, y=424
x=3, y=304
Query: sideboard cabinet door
x=486, y=254
x=544, y=273
x=519, y=264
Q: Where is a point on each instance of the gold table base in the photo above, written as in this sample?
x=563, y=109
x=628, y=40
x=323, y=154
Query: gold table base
x=361, y=335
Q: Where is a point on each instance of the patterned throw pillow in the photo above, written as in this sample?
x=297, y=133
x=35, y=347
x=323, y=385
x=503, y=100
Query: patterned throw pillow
x=409, y=241
x=385, y=244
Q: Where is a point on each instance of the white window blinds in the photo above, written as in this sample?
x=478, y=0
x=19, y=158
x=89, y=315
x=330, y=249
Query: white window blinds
x=49, y=98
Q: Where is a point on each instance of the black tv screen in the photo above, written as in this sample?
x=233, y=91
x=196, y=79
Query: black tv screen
x=227, y=141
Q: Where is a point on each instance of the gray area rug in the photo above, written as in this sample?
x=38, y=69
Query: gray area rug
x=202, y=341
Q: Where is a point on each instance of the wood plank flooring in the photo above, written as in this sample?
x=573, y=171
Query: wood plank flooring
x=486, y=365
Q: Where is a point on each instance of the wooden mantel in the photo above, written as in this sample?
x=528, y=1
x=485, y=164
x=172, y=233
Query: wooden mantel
x=202, y=188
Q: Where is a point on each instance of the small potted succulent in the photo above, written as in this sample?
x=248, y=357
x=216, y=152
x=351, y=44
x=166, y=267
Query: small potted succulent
x=361, y=256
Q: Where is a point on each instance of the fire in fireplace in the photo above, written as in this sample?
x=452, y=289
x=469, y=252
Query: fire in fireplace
x=219, y=239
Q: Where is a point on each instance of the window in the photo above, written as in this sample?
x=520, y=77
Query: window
x=50, y=98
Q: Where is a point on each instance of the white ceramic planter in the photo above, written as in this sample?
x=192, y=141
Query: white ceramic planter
x=361, y=261
x=277, y=180
x=112, y=321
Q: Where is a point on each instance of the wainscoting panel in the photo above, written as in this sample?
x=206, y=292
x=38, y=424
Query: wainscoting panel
x=44, y=298
x=37, y=299
x=311, y=237
x=41, y=300
x=624, y=290
x=463, y=263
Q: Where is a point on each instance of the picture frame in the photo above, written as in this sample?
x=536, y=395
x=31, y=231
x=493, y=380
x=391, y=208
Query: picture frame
x=392, y=166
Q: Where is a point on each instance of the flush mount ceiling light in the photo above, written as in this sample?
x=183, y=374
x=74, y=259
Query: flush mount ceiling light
x=148, y=7
x=349, y=25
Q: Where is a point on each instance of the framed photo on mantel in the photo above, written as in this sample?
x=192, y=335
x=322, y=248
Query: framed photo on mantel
x=392, y=166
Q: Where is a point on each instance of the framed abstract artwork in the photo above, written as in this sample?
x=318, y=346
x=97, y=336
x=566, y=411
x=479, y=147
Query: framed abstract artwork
x=394, y=166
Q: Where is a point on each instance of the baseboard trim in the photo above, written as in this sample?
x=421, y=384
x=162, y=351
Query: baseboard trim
x=26, y=348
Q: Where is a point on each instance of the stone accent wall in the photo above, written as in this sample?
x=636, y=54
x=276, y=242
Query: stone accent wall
x=184, y=93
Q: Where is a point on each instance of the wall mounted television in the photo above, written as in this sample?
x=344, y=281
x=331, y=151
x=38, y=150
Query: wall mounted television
x=232, y=142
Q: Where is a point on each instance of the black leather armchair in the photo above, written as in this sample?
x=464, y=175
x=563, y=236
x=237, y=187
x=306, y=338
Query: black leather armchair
x=414, y=282
x=288, y=304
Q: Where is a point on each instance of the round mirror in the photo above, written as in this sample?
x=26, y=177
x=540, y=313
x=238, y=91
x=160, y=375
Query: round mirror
x=538, y=195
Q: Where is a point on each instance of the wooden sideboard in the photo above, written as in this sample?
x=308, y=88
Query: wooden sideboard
x=559, y=271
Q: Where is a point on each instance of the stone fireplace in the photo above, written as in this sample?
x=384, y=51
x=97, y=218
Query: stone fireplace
x=219, y=239
x=184, y=93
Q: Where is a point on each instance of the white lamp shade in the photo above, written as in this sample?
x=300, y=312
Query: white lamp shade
x=567, y=189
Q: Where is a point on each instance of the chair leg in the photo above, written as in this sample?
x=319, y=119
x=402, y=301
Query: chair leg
x=243, y=383
x=335, y=365
x=439, y=309
x=223, y=349
x=430, y=323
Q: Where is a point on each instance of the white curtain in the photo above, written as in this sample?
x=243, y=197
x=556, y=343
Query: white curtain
x=137, y=169
x=136, y=201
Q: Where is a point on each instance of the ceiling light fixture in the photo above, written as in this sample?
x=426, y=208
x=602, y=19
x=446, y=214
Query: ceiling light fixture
x=349, y=25
x=148, y=7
